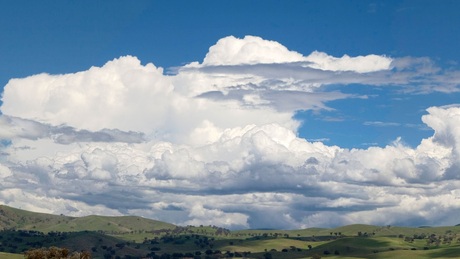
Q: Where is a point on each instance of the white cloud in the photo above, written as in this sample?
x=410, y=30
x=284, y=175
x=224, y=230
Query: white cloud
x=112, y=96
x=360, y=64
x=5, y=172
x=30, y=201
x=381, y=124
x=249, y=50
x=255, y=50
x=203, y=216
x=217, y=143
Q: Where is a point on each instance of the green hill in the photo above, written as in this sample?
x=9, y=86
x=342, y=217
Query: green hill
x=137, y=237
x=12, y=218
x=11, y=256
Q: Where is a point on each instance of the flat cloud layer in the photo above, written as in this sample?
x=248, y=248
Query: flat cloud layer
x=216, y=143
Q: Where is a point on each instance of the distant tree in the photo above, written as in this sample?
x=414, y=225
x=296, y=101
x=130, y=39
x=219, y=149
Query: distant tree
x=55, y=252
x=409, y=239
x=177, y=255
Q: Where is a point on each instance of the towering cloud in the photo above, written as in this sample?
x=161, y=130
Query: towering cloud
x=217, y=143
x=255, y=50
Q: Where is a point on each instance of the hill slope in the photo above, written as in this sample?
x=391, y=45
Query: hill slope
x=131, y=236
x=12, y=218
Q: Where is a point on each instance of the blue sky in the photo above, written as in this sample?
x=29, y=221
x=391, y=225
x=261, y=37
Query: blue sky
x=316, y=111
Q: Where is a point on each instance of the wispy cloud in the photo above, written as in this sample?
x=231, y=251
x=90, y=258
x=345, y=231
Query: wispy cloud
x=381, y=124
x=395, y=124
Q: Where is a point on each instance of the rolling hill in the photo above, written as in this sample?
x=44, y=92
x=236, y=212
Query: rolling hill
x=136, y=237
x=12, y=218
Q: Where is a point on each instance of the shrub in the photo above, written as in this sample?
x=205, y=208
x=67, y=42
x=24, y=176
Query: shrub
x=55, y=252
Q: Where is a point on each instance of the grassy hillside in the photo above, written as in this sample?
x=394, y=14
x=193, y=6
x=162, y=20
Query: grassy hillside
x=16, y=218
x=136, y=237
x=11, y=218
x=11, y=256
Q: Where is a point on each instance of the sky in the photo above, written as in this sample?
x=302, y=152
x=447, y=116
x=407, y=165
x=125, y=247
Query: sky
x=240, y=114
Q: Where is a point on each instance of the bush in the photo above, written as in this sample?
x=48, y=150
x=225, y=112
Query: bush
x=55, y=252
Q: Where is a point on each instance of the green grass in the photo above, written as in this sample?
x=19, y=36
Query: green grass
x=125, y=235
x=11, y=256
x=446, y=252
x=262, y=244
x=26, y=220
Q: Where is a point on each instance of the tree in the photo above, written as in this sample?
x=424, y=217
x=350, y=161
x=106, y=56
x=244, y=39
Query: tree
x=55, y=252
x=268, y=256
x=316, y=256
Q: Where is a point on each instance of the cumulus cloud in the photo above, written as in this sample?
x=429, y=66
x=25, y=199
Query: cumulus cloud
x=255, y=50
x=216, y=143
x=111, y=96
x=249, y=50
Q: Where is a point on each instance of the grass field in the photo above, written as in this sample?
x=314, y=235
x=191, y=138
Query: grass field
x=11, y=256
x=136, y=236
x=21, y=219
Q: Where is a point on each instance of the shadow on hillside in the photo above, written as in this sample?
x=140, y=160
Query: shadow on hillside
x=356, y=246
x=453, y=252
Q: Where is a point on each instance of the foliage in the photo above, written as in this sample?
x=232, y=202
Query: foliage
x=55, y=253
